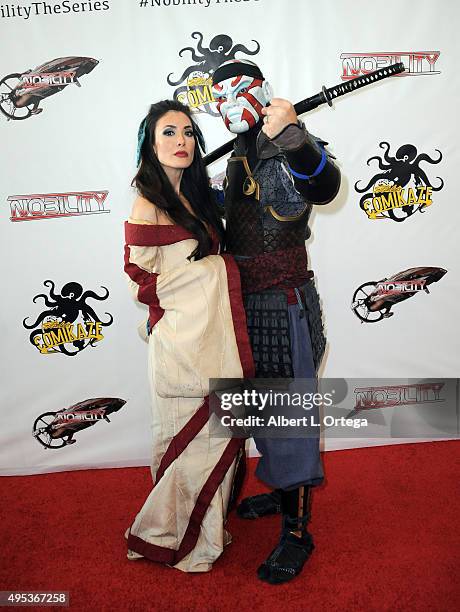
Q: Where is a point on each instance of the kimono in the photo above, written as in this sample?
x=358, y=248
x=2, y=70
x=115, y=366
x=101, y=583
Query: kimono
x=197, y=332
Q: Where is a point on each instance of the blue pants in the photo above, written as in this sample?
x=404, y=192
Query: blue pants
x=288, y=463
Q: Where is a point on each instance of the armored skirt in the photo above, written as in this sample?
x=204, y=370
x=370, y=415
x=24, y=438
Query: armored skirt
x=198, y=332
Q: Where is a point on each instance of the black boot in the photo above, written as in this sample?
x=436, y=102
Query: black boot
x=260, y=505
x=286, y=561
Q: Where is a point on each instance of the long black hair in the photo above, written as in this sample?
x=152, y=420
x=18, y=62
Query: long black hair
x=153, y=184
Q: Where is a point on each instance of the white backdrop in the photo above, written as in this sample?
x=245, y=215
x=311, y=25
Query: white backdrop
x=84, y=140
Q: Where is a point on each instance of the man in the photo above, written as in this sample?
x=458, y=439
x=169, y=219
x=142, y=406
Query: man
x=275, y=175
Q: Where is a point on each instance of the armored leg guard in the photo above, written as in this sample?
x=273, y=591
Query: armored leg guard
x=260, y=505
x=286, y=561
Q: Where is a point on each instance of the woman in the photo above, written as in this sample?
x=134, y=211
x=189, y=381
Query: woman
x=197, y=332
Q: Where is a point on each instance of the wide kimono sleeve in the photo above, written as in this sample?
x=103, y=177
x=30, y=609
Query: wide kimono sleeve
x=196, y=312
x=143, y=264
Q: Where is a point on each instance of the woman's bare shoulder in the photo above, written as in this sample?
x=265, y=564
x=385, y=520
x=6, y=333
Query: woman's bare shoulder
x=143, y=210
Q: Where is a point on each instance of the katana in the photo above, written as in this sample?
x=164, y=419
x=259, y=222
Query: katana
x=325, y=96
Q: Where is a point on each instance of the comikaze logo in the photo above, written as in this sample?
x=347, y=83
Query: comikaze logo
x=195, y=83
x=402, y=188
x=69, y=324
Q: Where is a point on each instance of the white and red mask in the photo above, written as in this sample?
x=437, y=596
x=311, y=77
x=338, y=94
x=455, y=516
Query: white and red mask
x=240, y=100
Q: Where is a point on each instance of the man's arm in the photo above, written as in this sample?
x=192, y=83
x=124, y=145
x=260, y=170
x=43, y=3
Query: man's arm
x=315, y=175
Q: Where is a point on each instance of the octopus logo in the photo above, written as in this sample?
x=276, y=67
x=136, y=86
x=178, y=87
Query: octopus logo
x=403, y=188
x=195, y=83
x=21, y=93
x=69, y=324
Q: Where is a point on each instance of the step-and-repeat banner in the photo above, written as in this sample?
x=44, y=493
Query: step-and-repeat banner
x=76, y=78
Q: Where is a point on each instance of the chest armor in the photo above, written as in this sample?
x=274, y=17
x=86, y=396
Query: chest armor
x=264, y=212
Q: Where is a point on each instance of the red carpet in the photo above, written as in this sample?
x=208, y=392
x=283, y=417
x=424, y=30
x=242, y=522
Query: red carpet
x=386, y=528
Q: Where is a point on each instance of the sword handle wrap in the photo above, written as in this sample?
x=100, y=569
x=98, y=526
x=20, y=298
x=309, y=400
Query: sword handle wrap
x=327, y=95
